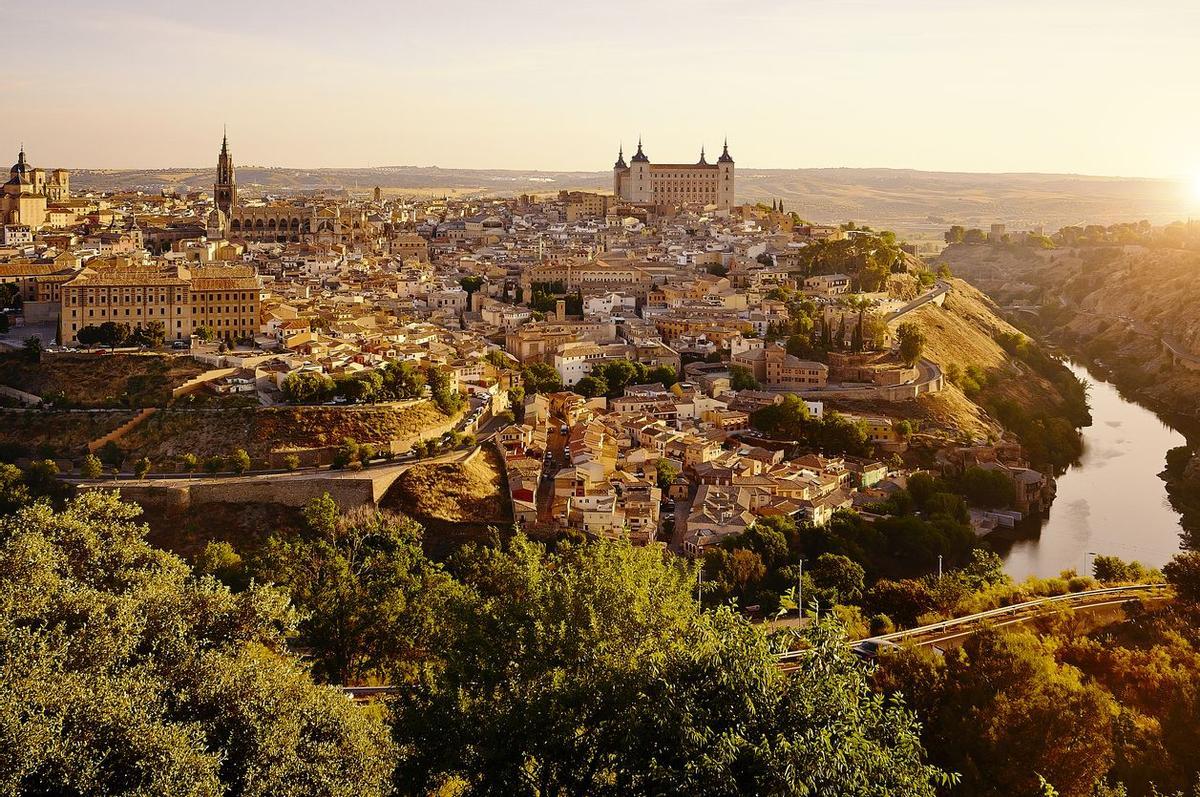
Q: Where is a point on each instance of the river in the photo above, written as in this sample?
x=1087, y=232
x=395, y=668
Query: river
x=1112, y=501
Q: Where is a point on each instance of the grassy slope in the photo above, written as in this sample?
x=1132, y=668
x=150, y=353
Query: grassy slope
x=137, y=380
x=166, y=436
x=59, y=434
x=455, y=502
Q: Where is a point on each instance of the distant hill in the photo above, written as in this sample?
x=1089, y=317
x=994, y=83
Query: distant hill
x=910, y=201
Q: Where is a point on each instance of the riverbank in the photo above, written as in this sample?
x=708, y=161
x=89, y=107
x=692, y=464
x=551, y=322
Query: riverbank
x=1112, y=500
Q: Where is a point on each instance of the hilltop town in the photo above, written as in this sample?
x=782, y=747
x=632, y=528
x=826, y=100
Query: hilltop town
x=658, y=363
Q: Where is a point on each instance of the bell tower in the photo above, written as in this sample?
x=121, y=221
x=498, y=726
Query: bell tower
x=225, y=190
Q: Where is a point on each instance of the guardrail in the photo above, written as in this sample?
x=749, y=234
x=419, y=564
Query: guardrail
x=1003, y=611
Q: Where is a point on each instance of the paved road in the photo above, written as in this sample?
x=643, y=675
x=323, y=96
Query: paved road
x=951, y=631
x=940, y=288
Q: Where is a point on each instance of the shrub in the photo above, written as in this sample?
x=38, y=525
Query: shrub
x=240, y=461
x=92, y=467
x=881, y=624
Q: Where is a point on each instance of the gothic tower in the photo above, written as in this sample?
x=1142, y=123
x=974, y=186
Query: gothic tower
x=225, y=190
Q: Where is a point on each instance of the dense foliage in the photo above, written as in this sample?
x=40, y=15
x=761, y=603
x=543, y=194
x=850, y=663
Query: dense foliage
x=589, y=670
x=833, y=433
x=122, y=673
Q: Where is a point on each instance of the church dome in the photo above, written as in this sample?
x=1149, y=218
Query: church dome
x=20, y=169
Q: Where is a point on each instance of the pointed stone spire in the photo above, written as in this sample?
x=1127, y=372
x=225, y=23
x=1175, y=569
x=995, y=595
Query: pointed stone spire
x=702, y=161
x=620, y=164
x=639, y=156
x=725, y=156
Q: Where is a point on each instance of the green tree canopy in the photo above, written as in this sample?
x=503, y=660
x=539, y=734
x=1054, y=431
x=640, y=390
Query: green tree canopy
x=589, y=670
x=370, y=598
x=123, y=673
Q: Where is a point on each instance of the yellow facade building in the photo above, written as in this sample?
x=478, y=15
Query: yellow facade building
x=223, y=298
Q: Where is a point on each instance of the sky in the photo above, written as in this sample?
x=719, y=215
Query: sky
x=1101, y=87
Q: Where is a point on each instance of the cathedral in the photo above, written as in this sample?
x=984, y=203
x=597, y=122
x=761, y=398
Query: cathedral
x=700, y=183
x=325, y=223
x=27, y=191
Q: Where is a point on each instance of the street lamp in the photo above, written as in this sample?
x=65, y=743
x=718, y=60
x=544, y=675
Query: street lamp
x=1089, y=558
x=939, y=567
x=800, y=593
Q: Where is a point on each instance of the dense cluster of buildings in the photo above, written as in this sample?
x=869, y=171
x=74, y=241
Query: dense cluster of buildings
x=666, y=272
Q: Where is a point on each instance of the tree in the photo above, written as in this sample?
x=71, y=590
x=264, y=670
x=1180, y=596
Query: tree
x=189, y=462
x=307, y=387
x=205, y=334
x=111, y=454
x=589, y=670
x=1114, y=569
x=14, y=493
x=141, y=468
x=371, y=599
x=668, y=471
x=664, y=374
x=912, y=342
x=239, y=461
x=291, y=462
x=346, y=453
x=443, y=387
x=32, y=348
x=214, y=464
x=619, y=373
x=470, y=284
x=742, y=378
x=1183, y=573
x=403, y=380
x=222, y=562
x=541, y=378
x=91, y=468
x=88, y=335
x=114, y=334
x=591, y=386
x=124, y=673
x=839, y=578
x=153, y=334
x=988, y=488
x=1002, y=711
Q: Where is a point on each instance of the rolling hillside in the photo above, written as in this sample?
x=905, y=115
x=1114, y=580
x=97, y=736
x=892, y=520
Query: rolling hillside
x=912, y=202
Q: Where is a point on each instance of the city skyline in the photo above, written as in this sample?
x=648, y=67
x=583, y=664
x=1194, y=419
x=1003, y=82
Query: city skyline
x=929, y=86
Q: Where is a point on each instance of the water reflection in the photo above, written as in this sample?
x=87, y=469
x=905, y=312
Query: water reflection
x=1112, y=501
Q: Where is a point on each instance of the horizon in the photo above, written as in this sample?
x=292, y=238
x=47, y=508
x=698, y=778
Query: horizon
x=930, y=86
x=741, y=168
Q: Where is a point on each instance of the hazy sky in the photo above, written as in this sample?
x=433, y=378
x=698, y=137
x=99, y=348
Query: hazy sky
x=1010, y=85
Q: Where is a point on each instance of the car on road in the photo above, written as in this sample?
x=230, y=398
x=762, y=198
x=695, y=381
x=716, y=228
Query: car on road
x=870, y=649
